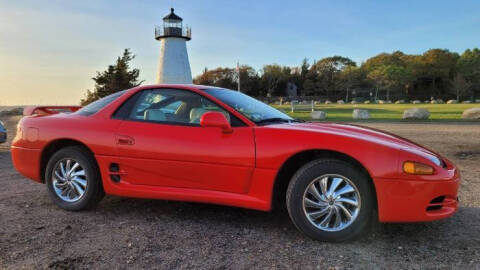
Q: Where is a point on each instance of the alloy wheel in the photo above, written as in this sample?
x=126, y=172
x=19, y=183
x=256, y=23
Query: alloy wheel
x=69, y=180
x=331, y=202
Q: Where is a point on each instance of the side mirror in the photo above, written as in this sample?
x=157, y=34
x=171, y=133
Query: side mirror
x=216, y=119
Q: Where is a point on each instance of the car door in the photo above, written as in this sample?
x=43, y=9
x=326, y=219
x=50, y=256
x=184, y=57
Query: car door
x=161, y=143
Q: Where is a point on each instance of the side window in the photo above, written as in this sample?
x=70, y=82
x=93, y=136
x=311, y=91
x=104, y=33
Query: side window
x=170, y=106
x=96, y=106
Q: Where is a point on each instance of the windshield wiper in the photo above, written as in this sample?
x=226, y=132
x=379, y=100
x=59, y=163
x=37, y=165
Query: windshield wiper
x=297, y=120
x=273, y=120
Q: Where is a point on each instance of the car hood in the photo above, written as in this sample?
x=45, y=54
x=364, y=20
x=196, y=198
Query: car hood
x=360, y=133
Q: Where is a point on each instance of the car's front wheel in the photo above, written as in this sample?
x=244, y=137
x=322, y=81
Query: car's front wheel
x=330, y=200
x=73, y=179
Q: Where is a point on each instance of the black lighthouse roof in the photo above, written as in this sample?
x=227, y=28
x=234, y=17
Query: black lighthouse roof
x=172, y=16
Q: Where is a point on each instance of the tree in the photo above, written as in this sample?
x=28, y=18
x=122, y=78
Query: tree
x=274, y=79
x=206, y=78
x=460, y=86
x=353, y=77
x=304, y=68
x=396, y=58
x=228, y=78
x=439, y=69
x=220, y=77
x=250, y=81
x=414, y=76
x=117, y=77
x=326, y=74
x=391, y=78
x=468, y=65
x=377, y=77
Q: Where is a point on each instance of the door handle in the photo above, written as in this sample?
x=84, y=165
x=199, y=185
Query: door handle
x=124, y=140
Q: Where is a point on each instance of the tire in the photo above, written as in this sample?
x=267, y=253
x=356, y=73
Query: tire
x=87, y=179
x=313, y=220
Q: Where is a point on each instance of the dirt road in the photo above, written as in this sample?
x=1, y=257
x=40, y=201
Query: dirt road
x=128, y=233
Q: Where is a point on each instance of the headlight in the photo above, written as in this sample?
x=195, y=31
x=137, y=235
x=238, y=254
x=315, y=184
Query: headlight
x=412, y=167
x=435, y=160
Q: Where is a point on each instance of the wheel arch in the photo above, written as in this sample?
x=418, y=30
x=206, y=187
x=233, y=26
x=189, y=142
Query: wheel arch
x=55, y=145
x=297, y=160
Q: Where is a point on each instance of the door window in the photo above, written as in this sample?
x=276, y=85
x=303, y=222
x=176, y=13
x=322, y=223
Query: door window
x=171, y=106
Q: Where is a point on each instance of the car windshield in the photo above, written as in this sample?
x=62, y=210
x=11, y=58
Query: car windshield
x=251, y=108
x=96, y=106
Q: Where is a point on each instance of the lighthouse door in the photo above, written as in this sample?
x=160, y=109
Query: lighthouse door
x=168, y=147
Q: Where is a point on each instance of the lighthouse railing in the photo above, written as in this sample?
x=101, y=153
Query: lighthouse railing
x=162, y=31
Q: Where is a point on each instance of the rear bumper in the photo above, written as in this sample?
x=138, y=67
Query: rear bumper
x=27, y=162
x=401, y=200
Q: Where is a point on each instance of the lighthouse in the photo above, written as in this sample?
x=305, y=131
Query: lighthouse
x=173, y=65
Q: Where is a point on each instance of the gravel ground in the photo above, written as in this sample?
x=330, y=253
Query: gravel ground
x=130, y=233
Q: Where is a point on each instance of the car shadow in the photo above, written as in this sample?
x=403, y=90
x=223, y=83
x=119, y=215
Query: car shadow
x=463, y=223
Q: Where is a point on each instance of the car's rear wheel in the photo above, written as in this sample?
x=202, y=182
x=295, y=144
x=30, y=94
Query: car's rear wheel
x=73, y=179
x=330, y=200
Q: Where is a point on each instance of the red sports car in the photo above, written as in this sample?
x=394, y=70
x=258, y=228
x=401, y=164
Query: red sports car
x=212, y=145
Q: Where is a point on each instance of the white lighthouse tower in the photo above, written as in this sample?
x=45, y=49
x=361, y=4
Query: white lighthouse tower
x=173, y=66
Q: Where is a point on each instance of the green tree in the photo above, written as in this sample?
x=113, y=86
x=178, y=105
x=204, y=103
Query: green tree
x=460, y=87
x=274, y=79
x=325, y=75
x=228, y=78
x=439, y=68
x=391, y=78
x=468, y=65
x=394, y=72
x=117, y=77
x=396, y=58
x=377, y=78
x=250, y=81
x=414, y=76
x=353, y=77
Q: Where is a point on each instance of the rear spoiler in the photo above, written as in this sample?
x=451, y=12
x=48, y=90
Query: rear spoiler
x=46, y=110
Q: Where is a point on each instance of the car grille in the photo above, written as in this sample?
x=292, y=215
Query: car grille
x=441, y=201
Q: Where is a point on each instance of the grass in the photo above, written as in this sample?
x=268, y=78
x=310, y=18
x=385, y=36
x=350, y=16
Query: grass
x=384, y=112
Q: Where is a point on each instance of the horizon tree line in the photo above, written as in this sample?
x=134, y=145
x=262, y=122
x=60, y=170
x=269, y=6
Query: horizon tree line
x=437, y=73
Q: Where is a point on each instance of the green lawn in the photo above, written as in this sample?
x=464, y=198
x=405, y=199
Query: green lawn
x=383, y=112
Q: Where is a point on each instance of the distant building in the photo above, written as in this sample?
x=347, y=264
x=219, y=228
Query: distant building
x=295, y=70
x=291, y=90
x=173, y=66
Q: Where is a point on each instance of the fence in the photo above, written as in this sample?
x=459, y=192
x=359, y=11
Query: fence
x=302, y=106
x=363, y=95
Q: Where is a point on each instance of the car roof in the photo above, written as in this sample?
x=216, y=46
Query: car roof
x=178, y=86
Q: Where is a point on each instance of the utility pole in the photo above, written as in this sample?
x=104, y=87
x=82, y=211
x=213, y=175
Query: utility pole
x=238, y=72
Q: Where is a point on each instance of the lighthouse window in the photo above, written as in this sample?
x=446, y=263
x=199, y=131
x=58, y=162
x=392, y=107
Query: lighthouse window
x=172, y=24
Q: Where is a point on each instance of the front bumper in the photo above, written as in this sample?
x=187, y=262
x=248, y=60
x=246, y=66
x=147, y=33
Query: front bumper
x=409, y=200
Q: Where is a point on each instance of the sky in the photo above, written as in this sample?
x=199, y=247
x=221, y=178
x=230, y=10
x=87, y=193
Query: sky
x=50, y=50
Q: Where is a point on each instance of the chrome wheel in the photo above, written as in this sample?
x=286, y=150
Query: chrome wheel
x=69, y=180
x=331, y=202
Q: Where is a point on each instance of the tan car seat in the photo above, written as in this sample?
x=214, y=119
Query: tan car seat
x=154, y=115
